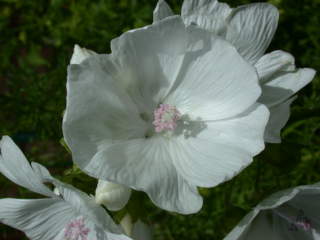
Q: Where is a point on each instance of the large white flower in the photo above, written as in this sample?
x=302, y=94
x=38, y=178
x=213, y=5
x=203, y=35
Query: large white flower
x=290, y=214
x=170, y=109
x=250, y=28
x=71, y=215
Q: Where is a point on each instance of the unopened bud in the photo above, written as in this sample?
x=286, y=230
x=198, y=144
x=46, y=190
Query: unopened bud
x=113, y=196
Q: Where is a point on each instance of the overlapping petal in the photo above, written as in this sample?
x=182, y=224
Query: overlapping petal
x=279, y=116
x=146, y=164
x=209, y=15
x=280, y=80
x=149, y=59
x=222, y=149
x=251, y=29
x=14, y=165
x=271, y=63
x=97, y=109
x=217, y=84
x=285, y=84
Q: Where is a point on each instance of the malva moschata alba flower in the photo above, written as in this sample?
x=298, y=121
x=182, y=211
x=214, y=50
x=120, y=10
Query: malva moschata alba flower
x=71, y=215
x=250, y=28
x=172, y=108
x=289, y=214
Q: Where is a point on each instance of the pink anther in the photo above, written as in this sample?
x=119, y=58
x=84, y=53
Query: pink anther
x=165, y=118
x=76, y=230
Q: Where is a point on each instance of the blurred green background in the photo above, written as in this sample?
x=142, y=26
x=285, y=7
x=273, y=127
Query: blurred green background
x=36, y=43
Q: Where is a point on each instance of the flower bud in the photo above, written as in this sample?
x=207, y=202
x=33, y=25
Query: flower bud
x=113, y=196
x=126, y=224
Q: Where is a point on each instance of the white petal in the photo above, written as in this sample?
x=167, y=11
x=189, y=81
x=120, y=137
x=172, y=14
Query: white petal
x=41, y=171
x=238, y=233
x=80, y=54
x=279, y=116
x=162, y=11
x=97, y=110
x=207, y=14
x=15, y=166
x=251, y=29
x=146, y=164
x=222, y=149
x=47, y=219
x=79, y=201
x=86, y=206
x=113, y=196
x=139, y=54
x=40, y=219
x=216, y=84
x=141, y=231
x=284, y=85
x=271, y=63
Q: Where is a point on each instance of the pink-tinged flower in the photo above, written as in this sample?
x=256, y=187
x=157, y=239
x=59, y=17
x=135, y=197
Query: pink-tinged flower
x=76, y=230
x=170, y=109
x=250, y=29
x=65, y=214
x=288, y=214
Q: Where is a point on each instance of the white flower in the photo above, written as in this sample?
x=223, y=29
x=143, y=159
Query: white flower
x=170, y=109
x=250, y=28
x=70, y=214
x=290, y=214
x=113, y=196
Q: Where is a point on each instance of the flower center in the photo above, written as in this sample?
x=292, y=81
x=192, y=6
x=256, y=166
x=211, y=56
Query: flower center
x=76, y=230
x=295, y=217
x=165, y=118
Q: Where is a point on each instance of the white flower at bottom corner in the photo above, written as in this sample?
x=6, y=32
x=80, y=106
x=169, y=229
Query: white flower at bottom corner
x=250, y=29
x=172, y=108
x=69, y=215
x=113, y=196
x=289, y=214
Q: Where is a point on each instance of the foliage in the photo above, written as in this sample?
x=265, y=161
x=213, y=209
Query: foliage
x=37, y=39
